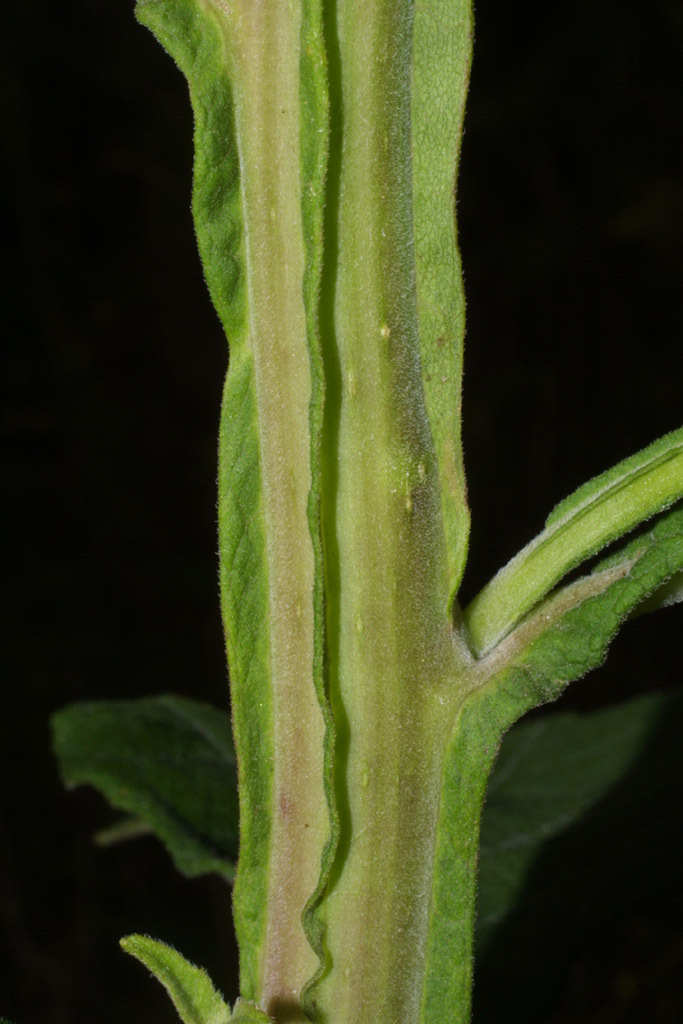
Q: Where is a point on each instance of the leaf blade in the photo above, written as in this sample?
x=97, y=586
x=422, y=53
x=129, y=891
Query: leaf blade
x=548, y=774
x=189, y=987
x=247, y=1013
x=168, y=761
x=596, y=514
x=315, y=159
x=618, y=857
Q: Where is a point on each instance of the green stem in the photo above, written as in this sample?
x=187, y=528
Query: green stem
x=343, y=530
x=265, y=41
x=390, y=643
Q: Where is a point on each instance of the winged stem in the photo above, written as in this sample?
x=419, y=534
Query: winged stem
x=391, y=655
x=365, y=726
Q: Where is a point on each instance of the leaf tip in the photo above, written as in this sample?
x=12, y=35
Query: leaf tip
x=189, y=987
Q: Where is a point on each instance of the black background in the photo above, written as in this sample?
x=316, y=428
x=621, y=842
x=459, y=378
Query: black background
x=571, y=217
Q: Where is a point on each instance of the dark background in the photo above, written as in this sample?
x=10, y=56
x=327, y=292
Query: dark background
x=571, y=218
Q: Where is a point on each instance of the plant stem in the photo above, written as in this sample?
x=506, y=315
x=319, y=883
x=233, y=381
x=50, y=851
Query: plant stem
x=263, y=44
x=391, y=656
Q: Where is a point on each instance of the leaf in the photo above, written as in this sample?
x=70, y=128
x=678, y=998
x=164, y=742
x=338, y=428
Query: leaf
x=596, y=514
x=256, y=74
x=166, y=760
x=569, y=633
x=189, y=987
x=247, y=1013
x=567, y=636
x=122, y=830
x=549, y=773
x=580, y=833
x=668, y=594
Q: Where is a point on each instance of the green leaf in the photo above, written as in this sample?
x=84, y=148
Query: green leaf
x=595, y=515
x=247, y=1013
x=189, y=987
x=578, y=836
x=564, y=638
x=668, y=594
x=122, y=830
x=549, y=773
x=166, y=760
x=568, y=634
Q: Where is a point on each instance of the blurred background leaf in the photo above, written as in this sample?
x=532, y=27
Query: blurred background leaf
x=169, y=762
x=578, y=834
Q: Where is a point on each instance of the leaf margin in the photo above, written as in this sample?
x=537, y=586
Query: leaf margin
x=189, y=846
x=599, y=512
x=189, y=987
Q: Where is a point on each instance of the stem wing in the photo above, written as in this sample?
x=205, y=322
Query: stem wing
x=256, y=77
x=551, y=773
x=441, y=56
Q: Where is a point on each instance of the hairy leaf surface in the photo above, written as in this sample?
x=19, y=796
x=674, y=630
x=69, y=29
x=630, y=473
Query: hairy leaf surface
x=247, y=1013
x=167, y=760
x=189, y=987
x=559, y=642
x=596, y=514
